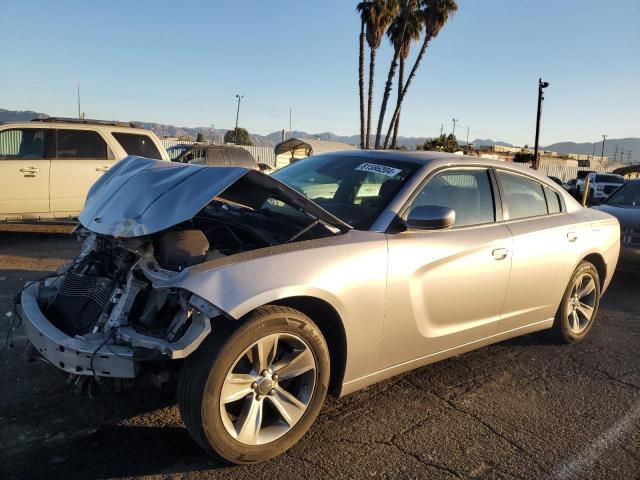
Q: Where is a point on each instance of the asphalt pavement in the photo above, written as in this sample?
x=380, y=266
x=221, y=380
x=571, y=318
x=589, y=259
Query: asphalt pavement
x=524, y=408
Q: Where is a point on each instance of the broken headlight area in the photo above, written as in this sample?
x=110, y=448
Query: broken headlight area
x=106, y=299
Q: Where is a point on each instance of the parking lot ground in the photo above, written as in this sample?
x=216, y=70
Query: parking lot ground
x=524, y=408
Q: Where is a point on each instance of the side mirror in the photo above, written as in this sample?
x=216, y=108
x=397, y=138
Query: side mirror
x=431, y=217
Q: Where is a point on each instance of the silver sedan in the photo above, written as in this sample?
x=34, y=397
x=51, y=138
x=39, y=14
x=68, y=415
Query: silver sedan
x=336, y=272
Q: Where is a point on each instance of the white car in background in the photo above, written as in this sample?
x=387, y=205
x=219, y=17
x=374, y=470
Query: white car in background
x=48, y=165
x=601, y=185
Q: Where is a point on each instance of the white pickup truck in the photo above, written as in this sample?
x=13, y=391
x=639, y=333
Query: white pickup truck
x=48, y=165
x=601, y=185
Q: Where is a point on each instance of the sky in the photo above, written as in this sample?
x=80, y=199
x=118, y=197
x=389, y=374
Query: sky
x=183, y=63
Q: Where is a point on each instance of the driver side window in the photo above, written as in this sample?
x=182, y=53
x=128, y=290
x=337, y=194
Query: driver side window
x=467, y=192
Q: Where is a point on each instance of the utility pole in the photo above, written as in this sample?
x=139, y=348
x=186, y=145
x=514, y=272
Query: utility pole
x=615, y=153
x=604, y=137
x=235, y=136
x=593, y=154
x=541, y=86
x=454, y=120
x=79, y=110
x=629, y=156
x=621, y=153
x=467, y=136
x=441, y=128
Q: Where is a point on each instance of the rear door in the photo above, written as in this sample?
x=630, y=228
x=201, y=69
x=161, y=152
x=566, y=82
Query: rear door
x=24, y=172
x=545, y=249
x=81, y=157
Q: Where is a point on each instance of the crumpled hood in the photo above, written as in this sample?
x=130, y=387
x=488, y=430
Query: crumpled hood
x=139, y=196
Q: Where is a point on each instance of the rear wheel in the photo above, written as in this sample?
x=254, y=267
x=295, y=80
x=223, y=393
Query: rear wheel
x=579, y=307
x=253, y=390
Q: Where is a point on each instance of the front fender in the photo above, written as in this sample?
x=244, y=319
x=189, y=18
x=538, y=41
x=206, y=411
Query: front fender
x=346, y=271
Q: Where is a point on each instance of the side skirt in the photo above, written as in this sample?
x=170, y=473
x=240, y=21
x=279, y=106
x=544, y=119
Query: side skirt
x=362, y=382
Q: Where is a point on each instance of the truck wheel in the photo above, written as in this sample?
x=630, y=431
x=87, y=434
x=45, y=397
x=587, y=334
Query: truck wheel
x=254, y=388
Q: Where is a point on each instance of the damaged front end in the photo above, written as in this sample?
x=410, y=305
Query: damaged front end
x=104, y=316
x=120, y=305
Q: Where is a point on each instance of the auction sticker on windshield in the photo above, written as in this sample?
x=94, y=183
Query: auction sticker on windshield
x=381, y=169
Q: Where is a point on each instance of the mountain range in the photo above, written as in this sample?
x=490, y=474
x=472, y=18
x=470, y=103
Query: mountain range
x=623, y=145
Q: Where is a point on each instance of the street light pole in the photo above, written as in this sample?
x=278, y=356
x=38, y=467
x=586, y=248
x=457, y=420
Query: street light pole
x=536, y=159
x=235, y=136
x=602, y=154
x=455, y=120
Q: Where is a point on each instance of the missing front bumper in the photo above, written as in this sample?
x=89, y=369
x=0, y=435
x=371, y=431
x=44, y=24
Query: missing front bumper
x=98, y=355
x=86, y=355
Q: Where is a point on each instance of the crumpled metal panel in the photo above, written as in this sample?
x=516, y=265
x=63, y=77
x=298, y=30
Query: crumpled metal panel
x=139, y=196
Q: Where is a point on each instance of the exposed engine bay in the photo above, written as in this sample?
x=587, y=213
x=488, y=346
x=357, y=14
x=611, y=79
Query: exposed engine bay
x=111, y=294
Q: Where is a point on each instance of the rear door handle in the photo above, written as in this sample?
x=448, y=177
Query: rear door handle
x=500, y=253
x=103, y=168
x=572, y=236
x=30, y=170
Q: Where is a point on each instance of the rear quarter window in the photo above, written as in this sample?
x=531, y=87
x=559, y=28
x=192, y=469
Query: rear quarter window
x=137, y=144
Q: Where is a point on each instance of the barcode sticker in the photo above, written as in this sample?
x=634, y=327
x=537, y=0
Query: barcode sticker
x=381, y=169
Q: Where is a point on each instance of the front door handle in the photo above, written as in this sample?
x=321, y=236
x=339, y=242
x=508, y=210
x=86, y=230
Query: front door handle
x=500, y=253
x=30, y=170
x=572, y=236
x=103, y=168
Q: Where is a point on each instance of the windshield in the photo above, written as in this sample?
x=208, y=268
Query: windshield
x=627, y=195
x=609, y=179
x=352, y=189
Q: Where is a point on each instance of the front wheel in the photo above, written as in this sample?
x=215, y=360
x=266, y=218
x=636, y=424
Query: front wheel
x=254, y=389
x=579, y=307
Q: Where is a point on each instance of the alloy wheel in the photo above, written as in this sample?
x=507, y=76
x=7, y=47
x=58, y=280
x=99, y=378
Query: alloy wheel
x=268, y=389
x=581, y=303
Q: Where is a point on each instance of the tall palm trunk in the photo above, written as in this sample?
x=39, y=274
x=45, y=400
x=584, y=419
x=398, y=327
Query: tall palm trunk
x=395, y=123
x=414, y=69
x=372, y=68
x=361, y=85
x=385, y=97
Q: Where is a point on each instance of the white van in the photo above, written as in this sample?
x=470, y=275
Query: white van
x=47, y=165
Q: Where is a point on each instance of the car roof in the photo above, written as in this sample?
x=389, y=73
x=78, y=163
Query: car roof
x=88, y=125
x=431, y=159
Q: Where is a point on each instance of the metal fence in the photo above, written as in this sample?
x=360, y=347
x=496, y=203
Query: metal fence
x=567, y=172
x=10, y=142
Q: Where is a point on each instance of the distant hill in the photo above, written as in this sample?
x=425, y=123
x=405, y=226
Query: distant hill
x=16, y=116
x=270, y=140
x=624, y=144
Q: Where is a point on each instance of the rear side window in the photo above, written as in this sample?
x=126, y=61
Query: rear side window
x=553, y=201
x=137, y=144
x=467, y=192
x=22, y=143
x=524, y=197
x=80, y=144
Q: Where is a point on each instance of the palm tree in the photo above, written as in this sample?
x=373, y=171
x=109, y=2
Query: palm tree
x=436, y=14
x=401, y=34
x=397, y=30
x=376, y=15
x=443, y=143
x=363, y=8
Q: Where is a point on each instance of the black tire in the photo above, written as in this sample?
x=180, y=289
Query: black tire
x=203, y=374
x=561, y=329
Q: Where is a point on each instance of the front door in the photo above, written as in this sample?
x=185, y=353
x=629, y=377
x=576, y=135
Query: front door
x=446, y=287
x=81, y=158
x=24, y=172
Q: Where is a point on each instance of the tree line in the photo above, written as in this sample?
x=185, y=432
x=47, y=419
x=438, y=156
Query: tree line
x=403, y=22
